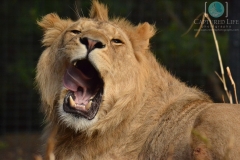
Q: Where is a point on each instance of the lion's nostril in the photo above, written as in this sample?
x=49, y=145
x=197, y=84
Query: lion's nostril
x=91, y=44
x=99, y=45
x=84, y=41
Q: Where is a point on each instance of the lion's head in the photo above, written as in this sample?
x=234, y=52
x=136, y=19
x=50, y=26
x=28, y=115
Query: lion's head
x=92, y=69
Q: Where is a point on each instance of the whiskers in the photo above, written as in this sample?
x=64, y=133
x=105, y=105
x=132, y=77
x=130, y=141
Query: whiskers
x=76, y=11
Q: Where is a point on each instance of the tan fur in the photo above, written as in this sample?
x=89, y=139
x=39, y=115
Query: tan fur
x=146, y=113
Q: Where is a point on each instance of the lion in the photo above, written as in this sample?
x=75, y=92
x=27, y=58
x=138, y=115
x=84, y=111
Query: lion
x=105, y=96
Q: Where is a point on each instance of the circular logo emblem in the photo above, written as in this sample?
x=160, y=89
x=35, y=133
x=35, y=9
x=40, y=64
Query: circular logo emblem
x=216, y=9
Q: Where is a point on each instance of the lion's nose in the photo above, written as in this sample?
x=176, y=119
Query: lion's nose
x=91, y=44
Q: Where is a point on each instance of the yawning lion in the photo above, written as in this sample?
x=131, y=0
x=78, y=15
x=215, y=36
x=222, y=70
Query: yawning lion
x=107, y=97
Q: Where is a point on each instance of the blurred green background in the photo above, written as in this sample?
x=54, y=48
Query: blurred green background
x=192, y=60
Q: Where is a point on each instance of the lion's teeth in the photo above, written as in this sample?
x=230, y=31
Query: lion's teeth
x=71, y=102
x=88, y=105
x=75, y=63
x=94, y=95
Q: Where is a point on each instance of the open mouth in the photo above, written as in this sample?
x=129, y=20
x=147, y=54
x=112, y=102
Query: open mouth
x=85, y=88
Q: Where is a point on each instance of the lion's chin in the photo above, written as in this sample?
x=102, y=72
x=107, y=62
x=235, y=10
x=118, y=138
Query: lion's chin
x=73, y=122
x=88, y=110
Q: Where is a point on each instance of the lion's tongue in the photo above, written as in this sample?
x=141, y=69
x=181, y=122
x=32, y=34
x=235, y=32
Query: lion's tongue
x=74, y=78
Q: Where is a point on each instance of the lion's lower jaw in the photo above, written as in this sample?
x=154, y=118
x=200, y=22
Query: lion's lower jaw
x=76, y=123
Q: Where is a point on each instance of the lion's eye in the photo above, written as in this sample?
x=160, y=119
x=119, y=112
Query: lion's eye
x=118, y=41
x=76, y=31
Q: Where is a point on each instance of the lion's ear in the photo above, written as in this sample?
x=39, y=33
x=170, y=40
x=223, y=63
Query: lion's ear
x=52, y=26
x=145, y=32
x=99, y=11
x=49, y=21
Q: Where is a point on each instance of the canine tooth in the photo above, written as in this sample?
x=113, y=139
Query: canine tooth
x=94, y=95
x=75, y=63
x=71, y=102
x=88, y=105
